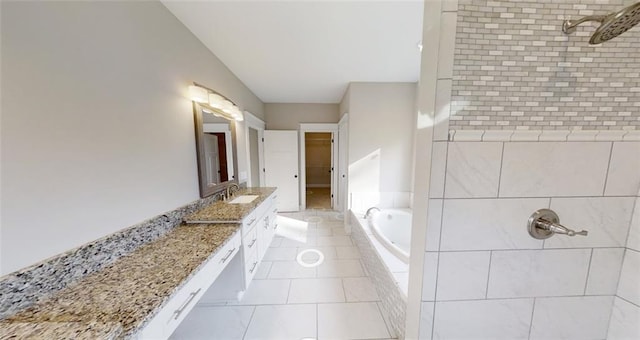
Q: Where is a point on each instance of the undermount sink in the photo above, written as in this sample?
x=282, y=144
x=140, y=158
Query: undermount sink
x=243, y=199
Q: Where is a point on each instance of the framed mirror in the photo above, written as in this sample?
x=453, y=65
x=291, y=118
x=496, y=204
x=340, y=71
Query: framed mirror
x=216, y=150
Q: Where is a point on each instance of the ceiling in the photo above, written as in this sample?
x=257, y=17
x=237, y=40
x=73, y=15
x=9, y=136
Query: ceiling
x=308, y=51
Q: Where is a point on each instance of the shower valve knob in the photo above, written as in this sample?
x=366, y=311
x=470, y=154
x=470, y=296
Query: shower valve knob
x=545, y=223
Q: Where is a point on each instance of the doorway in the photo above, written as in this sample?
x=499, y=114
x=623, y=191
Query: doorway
x=318, y=162
x=318, y=169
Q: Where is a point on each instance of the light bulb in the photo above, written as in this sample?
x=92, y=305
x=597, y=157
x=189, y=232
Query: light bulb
x=198, y=94
x=216, y=100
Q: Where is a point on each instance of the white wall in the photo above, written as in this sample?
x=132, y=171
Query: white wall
x=381, y=125
x=97, y=130
x=289, y=116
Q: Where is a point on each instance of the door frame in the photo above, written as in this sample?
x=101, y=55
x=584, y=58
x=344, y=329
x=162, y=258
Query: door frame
x=253, y=122
x=223, y=128
x=343, y=166
x=318, y=127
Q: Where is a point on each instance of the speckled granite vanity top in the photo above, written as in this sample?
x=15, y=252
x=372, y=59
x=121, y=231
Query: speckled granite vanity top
x=223, y=211
x=118, y=300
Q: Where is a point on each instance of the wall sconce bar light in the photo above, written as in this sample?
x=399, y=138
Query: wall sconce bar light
x=215, y=103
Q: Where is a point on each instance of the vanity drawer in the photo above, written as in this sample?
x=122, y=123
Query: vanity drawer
x=177, y=308
x=251, y=264
x=249, y=222
x=249, y=240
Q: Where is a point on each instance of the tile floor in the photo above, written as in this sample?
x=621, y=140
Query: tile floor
x=318, y=198
x=335, y=300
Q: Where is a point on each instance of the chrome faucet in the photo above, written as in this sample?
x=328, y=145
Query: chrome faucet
x=230, y=192
x=544, y=223
x=369, y=211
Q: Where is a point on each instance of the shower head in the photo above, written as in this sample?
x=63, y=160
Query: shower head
x=611, y=25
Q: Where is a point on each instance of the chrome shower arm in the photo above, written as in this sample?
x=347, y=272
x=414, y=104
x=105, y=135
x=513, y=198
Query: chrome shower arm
x=570, y=26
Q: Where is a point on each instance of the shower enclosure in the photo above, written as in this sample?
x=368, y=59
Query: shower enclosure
x=517, y=119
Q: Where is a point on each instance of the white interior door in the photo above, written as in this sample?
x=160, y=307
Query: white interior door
x=281, y=167
x=343, y=167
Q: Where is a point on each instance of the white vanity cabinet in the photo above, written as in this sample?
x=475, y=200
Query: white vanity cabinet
x=258, y=232
x=176, y=309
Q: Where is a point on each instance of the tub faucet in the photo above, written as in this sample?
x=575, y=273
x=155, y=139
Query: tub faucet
x=369, y=211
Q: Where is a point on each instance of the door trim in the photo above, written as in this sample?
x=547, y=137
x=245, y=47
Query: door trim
x=251, y=121
x=318, y=127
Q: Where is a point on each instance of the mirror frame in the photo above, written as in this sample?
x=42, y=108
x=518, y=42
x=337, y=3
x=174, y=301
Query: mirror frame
x=206, y=190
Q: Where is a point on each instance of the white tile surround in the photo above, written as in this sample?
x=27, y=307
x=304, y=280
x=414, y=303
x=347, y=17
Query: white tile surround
x=335, y=300
x=482, y=259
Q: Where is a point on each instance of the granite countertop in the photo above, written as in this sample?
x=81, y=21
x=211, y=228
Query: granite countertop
x=60, y=330
x=223, y=211
x=120, y=299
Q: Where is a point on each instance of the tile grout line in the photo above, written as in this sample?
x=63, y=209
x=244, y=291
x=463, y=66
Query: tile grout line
x=533, y=309
x=253, y=312
x=586, y=281
x=500, y=171
x=606, y=176
x=486, y=291
x=444, y=191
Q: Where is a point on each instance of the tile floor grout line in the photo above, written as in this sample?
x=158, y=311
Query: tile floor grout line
x=253, y=312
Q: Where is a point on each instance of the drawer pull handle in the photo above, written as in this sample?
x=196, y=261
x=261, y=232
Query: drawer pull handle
x=252, y=242
x=184, y=305
x=253, y=268
x=228, y=255
x=275, y=196
x=275, y=210
x=275, y=226
x=253, y=220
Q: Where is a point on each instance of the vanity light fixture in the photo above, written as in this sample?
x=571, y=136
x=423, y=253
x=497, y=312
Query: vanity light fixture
x=198, y=94
x=215, y=103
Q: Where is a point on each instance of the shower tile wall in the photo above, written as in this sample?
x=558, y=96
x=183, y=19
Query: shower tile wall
x=481, y=260
x=625, y=317
x=513, y=68
x=506, y=65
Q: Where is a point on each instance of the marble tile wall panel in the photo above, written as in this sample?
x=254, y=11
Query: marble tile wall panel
x=483, y=319
x=604, y=271
x=623, y=177
x=625, y=321
x=629, y=285
x=536, y=273
x=462, y=275
x=606, y=218
x=633, y=240
x=487, y=224
x=571, y=318
x=542, y=169
x=473, y=169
